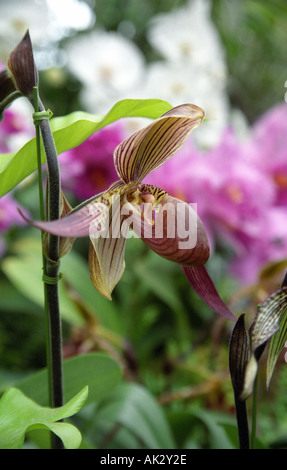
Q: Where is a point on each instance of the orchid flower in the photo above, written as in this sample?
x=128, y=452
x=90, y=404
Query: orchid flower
x=107, y=217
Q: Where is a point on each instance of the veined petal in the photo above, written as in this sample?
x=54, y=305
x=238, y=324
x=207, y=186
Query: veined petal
x=76, y=224
x=106, y=257
x=175, y=232
x=265, y=327
x=79, y=222
x=150, y=147
x=201, y=282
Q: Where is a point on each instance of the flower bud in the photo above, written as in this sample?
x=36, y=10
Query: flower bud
x=22, y=67
x=239, y=354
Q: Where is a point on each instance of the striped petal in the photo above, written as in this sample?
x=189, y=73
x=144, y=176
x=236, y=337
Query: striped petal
x=266, y=326
x=175, y=232
x=80, y=221
x=75, y=224
x=150, y=147
x=106, y=257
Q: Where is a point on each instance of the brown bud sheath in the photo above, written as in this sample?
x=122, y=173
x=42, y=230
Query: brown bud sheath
x=22, y=67
x=239, y=353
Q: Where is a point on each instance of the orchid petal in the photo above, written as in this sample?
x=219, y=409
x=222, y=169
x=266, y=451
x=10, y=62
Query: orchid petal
x=106, y=257
x=265, y=327
x=204, y=287
x=79, y=222
x=150, y=147
x=76, y=224
x=106, y=271
x=176, y=234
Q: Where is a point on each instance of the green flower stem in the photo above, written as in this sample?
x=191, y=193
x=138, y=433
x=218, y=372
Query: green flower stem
x=51, y=261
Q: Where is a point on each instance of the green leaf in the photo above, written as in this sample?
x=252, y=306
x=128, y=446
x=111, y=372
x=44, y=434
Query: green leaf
x=212, y=421
x=134, y=408
x=162, y=286
x=231, y=431
x=19, y=414
x=69, y=132
x=98, y=371
x=12, y=300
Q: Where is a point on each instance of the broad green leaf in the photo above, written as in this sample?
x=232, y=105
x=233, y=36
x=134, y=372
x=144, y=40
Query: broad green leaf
x=98, y=371
x=133, y=407
x=19, y=414
x=12, y=300
x=149, y=108
x=69, y=132
x=187, y=426
x=231, y=431
x=218, y=437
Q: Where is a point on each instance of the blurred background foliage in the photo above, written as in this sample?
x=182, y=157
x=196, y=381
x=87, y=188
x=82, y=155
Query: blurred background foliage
x=172, y=348
x=253, y=33
x=253, y=36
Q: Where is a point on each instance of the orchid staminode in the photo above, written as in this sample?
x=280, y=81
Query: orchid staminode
x=177, y=235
